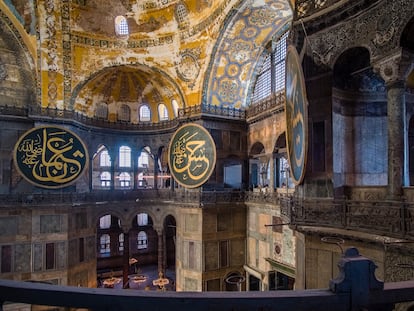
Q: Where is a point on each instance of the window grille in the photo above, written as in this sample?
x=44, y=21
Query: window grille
x=144, y=113
x=162, y=112
x=121, y=26
x=271, y=77
x=124, y=156
x=105, y=179
x=142, y=241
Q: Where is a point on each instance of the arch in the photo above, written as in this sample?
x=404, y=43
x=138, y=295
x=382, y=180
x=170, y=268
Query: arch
x=359, y=118
x=280, y=163
x=258, y=165
x=140, y=84
x=224, y=83
x=407, y=36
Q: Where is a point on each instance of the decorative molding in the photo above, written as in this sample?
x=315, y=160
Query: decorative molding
x=379, y=30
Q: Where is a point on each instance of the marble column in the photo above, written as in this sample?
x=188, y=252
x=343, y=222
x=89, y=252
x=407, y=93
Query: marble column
x=160, y=251
x=125, y=260
x=156, y=168
x=112, y=170
x=394, y=69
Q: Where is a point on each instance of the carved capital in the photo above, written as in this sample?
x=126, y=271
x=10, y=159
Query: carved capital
x=395, y=68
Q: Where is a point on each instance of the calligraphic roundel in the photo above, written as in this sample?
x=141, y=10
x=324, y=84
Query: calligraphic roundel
x=191, y=155
x=296, y=109
x=50, y=157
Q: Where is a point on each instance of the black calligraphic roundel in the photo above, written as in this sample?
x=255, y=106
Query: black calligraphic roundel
x=296, y=109
x=191, y=155
x=50, y=157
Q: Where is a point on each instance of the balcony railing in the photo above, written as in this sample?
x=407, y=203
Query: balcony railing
x=356, y=288
x=390, y=218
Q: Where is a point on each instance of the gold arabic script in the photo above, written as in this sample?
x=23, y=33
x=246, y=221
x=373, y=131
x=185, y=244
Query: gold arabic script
x=51, y=156
x=189, y=157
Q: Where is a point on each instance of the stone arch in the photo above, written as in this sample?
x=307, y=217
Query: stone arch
x=359, y=110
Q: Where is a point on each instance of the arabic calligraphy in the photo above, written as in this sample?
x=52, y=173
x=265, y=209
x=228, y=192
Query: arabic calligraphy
x=50, y=157
x=296, y=115
x=192, y=155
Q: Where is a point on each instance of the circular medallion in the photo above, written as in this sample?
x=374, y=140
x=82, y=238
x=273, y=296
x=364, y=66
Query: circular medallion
x=191, y=155
x=50, y=157
x=296, y=116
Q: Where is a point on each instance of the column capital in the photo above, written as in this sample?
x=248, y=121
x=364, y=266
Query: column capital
x=395, y=68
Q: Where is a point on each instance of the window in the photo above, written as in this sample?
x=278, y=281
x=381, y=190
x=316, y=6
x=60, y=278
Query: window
x=105, y=222
x=102, y=111
x=142, y=219
x=162, y=112
x=121, y=242
x=142, y=241
x=121, y=26
x=105, y=242
x=124, y=180
x=124, y=113
x=181, y=13
x=50, y=256
x=175, y=107
x=271, y=77
x=124, y=156
x=105, y=179
x=6, y=259
x=144, y=113
x=104, y=159
x=143, y=159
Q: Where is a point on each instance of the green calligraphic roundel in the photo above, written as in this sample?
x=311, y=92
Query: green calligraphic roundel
x=296, y=116
x=50, y=157
x=191, y=155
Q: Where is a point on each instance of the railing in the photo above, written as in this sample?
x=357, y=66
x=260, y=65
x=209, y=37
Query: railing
x=356, y=288
x=185, y=113
x=272, y=104
x=392, y=218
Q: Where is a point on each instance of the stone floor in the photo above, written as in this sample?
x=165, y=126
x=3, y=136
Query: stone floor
x=144, y=277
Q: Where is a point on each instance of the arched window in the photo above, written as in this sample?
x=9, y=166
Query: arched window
x=175, y=107
x=105, y=178
x=142, y=219
x=162, y=112
x=104, y=159
x=124, y=156
x=124, y=113
x=144, y=113
x=181, y=14
x=142, y=240
x=102, y=111
x=105, y=243
x=121, y=242
x=271, y=77
x=121, y=26
x=125, y=180
x=105, y=222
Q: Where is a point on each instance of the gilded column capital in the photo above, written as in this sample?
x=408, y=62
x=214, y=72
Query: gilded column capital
x=395, y=68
